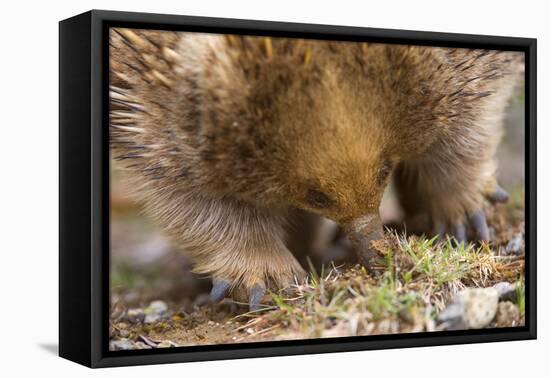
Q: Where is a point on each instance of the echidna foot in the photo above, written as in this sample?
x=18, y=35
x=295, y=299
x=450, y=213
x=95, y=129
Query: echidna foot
x=251, y=282
x=220, y=288
x=476, y=222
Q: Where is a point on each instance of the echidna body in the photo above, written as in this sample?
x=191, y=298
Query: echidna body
x=226, y=137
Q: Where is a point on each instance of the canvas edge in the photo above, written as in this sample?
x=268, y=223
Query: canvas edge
x=75, y=336
x=98, y=254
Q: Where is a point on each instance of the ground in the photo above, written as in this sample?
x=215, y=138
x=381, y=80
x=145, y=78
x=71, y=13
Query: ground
x=415, y=285
x=414, y=279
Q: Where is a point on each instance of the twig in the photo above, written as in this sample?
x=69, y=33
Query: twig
x=148, y=341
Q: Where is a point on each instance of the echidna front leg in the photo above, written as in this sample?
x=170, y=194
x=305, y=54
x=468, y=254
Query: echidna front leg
x=247, y=271
x=445, y=190
x=237, y=244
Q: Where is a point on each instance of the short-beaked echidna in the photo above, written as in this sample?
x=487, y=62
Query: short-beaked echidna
x=226, y=137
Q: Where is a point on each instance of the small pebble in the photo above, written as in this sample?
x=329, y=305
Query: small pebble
x=164, y=344
x=515, y=246
x=135, y=315
x=507, y=314
x=156, y=311
x=142, y=345
x=122, y=344
x=506, y=291
x=158, y=307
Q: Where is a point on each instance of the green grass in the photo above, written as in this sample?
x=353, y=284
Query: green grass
x=441, y=265
x=520, y=292
x=386, y=300
x=417, y=276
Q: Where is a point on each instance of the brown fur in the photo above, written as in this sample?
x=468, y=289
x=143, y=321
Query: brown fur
x=225, y=136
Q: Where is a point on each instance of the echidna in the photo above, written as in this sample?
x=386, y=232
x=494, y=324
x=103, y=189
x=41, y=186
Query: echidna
x=226, y=137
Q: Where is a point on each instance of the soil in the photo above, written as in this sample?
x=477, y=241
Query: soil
x=145, y=268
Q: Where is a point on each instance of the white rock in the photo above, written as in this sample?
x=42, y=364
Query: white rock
x=470, y=308
x=480, y=306
x=158, y=307
x=122, y=344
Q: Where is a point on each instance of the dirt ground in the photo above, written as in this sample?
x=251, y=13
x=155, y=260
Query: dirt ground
x=304, y=313
x=157, y=302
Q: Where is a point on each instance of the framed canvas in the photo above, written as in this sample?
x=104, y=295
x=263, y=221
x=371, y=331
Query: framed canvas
x=234, y=188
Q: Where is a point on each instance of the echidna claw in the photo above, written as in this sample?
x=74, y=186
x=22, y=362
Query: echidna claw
x=220, y=287
x=440, y=230
x=255, y=296
x=498, y=196
x=478, y=222
x=459, y=233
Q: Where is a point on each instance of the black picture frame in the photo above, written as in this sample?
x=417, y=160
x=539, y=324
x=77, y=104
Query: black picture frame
x=84, y=189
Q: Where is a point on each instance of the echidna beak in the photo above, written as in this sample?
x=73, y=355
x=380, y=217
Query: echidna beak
x=361, y=232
